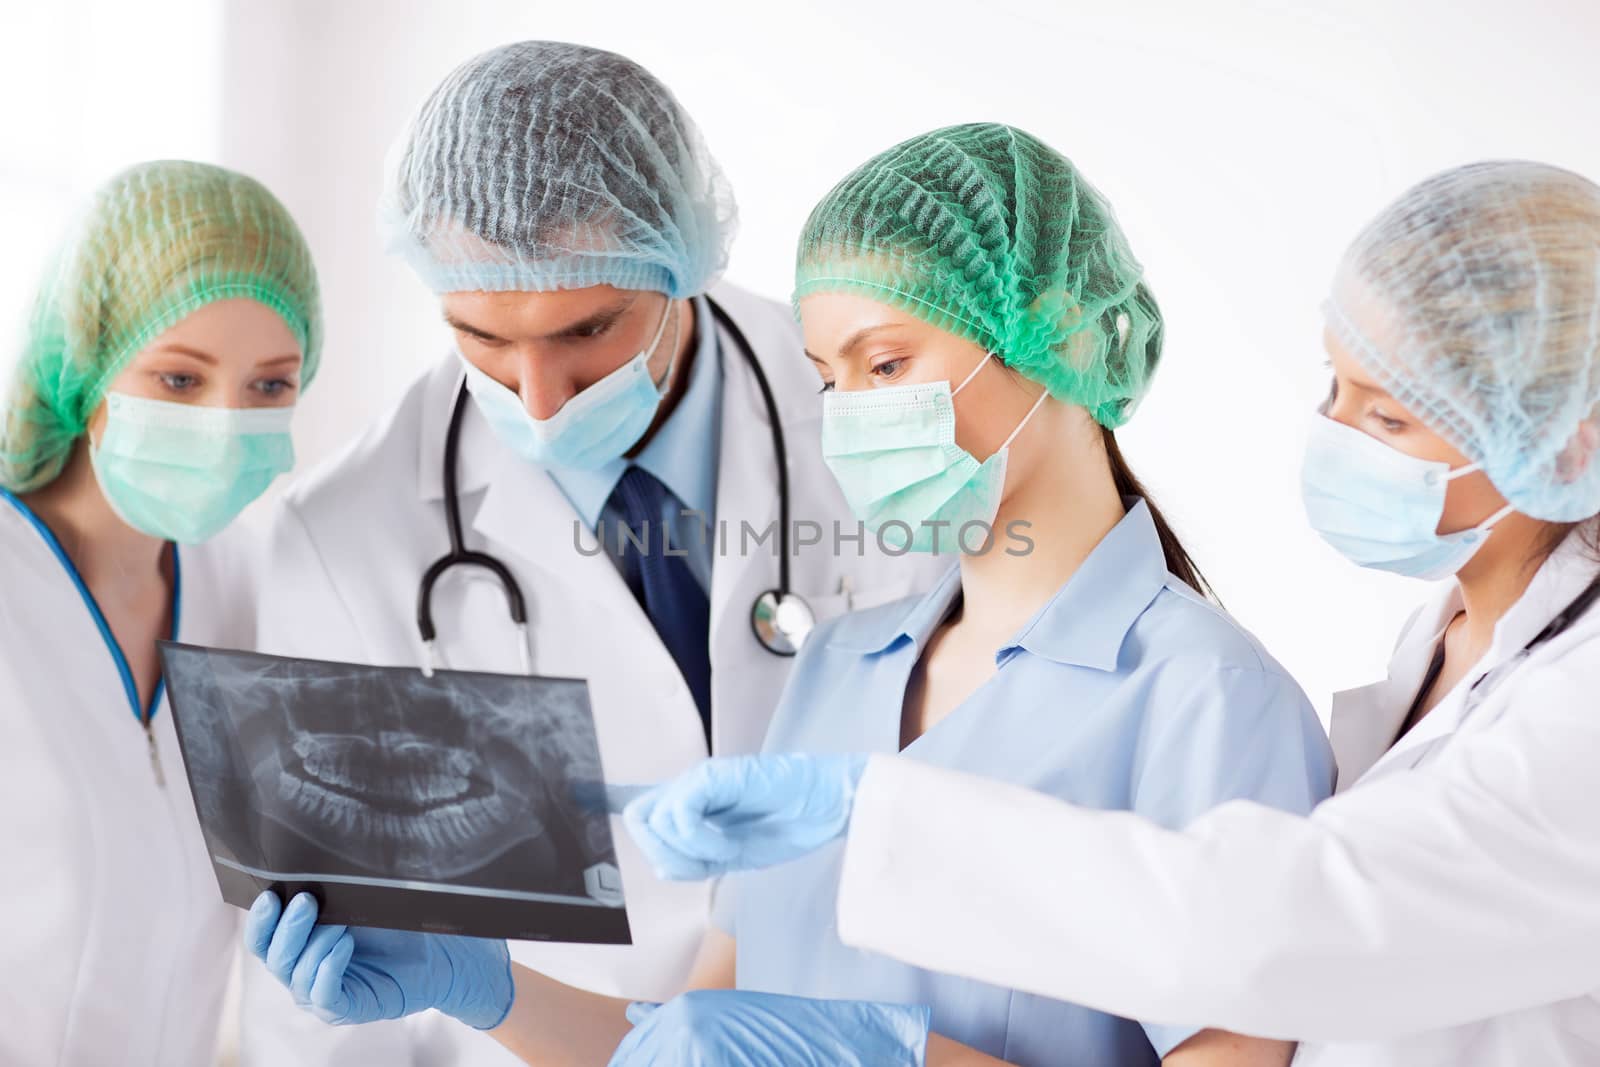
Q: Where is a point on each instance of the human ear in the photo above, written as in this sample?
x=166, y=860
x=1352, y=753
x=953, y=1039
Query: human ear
x=1574, y=460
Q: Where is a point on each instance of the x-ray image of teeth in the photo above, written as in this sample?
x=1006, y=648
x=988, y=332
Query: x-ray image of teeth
x=450, y=803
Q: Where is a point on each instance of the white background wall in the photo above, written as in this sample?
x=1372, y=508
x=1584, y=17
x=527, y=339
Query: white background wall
x=1243, y=142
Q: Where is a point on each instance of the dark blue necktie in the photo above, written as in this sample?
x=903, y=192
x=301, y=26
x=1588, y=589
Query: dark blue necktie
x=663, y=584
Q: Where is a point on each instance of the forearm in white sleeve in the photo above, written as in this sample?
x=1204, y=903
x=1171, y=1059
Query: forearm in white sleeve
x=1466, y=888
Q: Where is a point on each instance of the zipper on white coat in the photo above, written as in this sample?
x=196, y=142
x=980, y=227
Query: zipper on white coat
x=155, y=755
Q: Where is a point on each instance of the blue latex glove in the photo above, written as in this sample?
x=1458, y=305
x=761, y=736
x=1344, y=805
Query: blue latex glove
x=738, y=1028
x=744, y=812
x=359, y=975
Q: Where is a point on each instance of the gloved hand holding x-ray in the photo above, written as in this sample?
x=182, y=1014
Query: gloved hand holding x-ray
x=360, y=975
x=744, y=812
x=450, y=803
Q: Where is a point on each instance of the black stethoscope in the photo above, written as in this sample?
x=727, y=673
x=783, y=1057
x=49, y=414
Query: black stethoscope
x=1479, y=691
x=780, y=618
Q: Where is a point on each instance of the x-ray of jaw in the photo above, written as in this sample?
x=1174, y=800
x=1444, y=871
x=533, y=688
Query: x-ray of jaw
x=451, y=803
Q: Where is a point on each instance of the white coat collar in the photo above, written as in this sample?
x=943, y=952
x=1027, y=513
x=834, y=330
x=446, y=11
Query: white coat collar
x=1364, y=721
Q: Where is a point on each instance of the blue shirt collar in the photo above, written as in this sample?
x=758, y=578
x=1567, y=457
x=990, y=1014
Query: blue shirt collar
x=1084, y=623
x=683, y=453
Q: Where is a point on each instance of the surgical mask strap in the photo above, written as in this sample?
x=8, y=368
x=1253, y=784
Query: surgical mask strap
x=981, y=364
x=666, y=379
x=1488, y=524
x=1037, y=404
x=1462, y=472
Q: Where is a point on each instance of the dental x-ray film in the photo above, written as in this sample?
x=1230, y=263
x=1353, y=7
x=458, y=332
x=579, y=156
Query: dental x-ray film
x=451, y=803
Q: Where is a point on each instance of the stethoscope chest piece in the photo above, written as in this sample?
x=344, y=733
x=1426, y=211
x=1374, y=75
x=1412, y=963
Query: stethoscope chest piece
x=782, y=621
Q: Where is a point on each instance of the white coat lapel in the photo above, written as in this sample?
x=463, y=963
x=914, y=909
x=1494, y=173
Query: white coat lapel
x=523, y=519
x=522, y=512
x=525, y=515
x=583, y=618
x=1364, y=721
x=1559, y=579
x=1360, y=727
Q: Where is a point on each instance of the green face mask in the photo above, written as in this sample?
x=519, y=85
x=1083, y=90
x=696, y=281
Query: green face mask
x=894, y=453
x=182, y=472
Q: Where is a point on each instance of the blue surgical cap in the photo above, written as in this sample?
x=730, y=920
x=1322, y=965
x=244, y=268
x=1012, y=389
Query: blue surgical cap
x=541, y=166
x=1474, y=300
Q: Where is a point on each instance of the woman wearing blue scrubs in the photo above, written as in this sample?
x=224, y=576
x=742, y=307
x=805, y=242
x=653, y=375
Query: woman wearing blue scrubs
x=980, y=328
x=150, y=404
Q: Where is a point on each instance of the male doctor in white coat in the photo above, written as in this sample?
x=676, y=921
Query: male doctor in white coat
x=566, y=211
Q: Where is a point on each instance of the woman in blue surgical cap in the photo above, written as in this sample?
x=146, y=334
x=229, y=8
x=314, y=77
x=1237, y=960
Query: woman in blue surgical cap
x=1441, y=910
x=150, y=403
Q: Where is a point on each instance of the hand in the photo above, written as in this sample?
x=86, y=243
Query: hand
x=737, y=1028
x=744, y=812
x=359, y=975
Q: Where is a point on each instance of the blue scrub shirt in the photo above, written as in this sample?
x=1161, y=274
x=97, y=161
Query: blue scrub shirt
x=1126, y=691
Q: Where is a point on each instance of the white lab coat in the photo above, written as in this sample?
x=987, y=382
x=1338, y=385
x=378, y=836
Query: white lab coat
x=115, y=946
x=1442, y=909
x=352, y=541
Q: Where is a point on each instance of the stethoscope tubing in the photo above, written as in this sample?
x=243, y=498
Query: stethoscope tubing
x=459, y=555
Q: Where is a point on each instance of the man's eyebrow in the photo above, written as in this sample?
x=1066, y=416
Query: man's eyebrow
x=593, y=322
x=457, y=323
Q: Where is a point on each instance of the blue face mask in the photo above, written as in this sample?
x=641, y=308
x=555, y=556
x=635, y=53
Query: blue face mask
x=591, y=429
x=1381, y=508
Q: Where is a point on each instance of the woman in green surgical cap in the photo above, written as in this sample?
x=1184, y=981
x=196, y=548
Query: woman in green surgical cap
x=150, y=403
x=1440, y=911
x=980, y=328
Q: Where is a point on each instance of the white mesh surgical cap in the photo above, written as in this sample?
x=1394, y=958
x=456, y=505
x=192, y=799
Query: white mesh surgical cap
x=1474, y=299
x=541, y=166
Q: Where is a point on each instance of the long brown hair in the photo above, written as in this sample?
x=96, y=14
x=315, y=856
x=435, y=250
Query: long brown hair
x=1179, y=562
x=1588, y=534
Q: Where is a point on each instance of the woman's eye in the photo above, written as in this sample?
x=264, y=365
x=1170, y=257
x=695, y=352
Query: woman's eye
x=1390, y=425
x=888, y=368
x=178, y=382
x=827, y=387
x=275, y=387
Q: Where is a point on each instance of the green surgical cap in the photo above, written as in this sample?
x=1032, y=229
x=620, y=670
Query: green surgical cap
x=991, y=234
x=158, y=241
